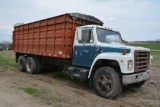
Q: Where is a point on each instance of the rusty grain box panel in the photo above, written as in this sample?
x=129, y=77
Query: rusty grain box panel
x=51, y=37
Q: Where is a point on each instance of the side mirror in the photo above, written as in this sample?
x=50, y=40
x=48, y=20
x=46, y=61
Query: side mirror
x=79, y=34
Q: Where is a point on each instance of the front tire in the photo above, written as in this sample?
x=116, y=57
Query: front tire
x=107, y=82
x=31, y=65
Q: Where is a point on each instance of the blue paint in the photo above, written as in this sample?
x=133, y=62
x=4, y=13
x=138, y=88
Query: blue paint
x=85, y=55
x=114, y=50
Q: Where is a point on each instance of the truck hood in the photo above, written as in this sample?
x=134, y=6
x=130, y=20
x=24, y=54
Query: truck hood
x=118, y=48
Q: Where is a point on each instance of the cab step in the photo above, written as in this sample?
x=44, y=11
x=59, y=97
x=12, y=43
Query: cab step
x=77, y=72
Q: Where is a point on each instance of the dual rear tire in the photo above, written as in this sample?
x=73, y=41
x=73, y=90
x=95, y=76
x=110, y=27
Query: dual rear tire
x=22, y=63
x=31, y=65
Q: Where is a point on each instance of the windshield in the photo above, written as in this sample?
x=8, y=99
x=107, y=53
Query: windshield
x=108, y=36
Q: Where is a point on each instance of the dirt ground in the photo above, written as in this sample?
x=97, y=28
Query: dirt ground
x=69, y=94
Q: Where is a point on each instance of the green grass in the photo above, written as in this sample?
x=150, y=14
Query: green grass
x=156, y=55
x=7, y=58
x=8, y=62
x=44, y=95
x=31, y=91
x=150, y=46
x=7, y=54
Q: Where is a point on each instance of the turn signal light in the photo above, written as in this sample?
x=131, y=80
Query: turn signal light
x=124, y=52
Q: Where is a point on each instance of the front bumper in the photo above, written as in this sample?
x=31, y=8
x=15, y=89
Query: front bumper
x=135, y=78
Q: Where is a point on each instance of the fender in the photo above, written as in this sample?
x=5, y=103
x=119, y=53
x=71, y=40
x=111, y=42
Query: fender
x=121, y=59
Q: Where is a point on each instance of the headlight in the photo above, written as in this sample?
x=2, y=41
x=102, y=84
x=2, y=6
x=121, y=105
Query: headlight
x=130, y=64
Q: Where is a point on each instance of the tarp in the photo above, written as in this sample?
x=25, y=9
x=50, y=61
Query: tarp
x=86, y=17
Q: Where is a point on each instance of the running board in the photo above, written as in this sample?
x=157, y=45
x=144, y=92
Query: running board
x=80, y=73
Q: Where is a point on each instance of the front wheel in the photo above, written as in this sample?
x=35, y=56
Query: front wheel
x=107, y=83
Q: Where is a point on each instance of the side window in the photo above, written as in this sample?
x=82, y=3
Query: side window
x=87, y=36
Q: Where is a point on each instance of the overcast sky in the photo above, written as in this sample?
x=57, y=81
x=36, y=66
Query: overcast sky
x=135, y=19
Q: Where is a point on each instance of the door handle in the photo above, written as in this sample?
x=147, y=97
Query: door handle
x=97, y=48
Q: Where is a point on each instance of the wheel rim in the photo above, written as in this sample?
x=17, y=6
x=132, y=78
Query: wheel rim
x=29, y=66
x=104, y=83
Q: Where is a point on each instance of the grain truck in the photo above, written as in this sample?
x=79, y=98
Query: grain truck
x=81, y=46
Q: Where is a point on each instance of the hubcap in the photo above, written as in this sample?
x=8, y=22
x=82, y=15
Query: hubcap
x=104, y=83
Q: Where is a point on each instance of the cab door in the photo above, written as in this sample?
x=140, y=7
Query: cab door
x=84, y=49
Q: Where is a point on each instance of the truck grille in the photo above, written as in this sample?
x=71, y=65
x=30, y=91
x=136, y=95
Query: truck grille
x=142, y=60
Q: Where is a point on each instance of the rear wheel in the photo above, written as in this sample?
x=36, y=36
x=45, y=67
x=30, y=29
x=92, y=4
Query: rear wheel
x=38, y=65
x=139, y=84
x=107, y=83
x=31, y=65
x=22, y=63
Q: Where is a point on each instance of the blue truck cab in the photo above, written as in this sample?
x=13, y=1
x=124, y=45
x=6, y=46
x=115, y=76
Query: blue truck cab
x=100, y=56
